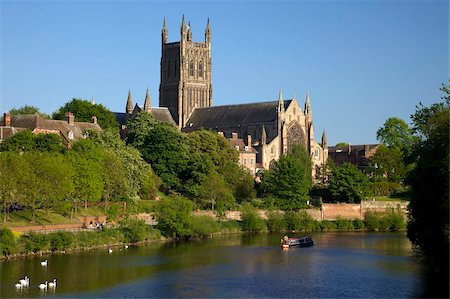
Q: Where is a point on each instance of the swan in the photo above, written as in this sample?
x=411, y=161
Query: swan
x=18, y=285
x=43, y=286
x=25, y=281
x=110, y=250
x=126, y=246
x=44, y=263
x=52, y=284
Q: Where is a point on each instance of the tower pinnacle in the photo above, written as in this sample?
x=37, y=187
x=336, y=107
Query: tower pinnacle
x=147, y=103
x=129, y=107
x=208, y=32
x=164, y=34
x=280, y=101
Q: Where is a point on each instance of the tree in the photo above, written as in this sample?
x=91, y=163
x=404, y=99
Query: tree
x=428, y=225
x=26, y=110
x=395, y=133
x=84, y=110
x=174, y=215
x=388, y=164
x=290, y=179
x=215, y=193
x=12, y=171
x=342, y=144
x=181, y=168
x=25, y=141
x=348, y=183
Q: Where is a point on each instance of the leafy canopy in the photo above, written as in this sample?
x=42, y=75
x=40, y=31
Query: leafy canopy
x=348, y=183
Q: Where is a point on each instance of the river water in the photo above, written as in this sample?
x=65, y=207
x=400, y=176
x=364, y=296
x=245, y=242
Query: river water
x=339, y=265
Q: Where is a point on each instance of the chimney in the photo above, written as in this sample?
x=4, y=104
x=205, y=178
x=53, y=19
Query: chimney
x=7, y=119
x=249, y=141
x=94, y=119
x=234, y=135
x=70, y=118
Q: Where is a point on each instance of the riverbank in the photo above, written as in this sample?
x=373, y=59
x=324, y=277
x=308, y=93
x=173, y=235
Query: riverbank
x=133, y=231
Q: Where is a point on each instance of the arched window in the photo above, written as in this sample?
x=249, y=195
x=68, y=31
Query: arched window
x=191, y=68
x=200, y=69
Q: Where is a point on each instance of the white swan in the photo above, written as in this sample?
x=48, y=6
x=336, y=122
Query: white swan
x=18, y=285
x=43, y=286
x=110, y=250
x=52, y=284
x=44, y=263
x=126, y=246
x=25, y=281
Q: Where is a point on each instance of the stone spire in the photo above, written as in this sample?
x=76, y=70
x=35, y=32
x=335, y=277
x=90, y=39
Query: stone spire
x=280, y=101
x=147, y=103
x=129, y=107
x=263, y=136
x=307, y=104
x=189, y=32
x=92, y=101
x=183, y=29
x=324, y=140
x=164, y=33
x=208, y=33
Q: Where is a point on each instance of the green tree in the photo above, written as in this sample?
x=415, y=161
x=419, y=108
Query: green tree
x=23, y=141
x=174, y=215
x=388, y=164
x=342, y=144
x=27, y=110
x=84, y=110
x=290, y=179
x=251, y=221
x=348, y=183
x=395, y=133
x=214, y=193
x=428, y=225
x=13, y=168
x=48, y=143
x=8, y=244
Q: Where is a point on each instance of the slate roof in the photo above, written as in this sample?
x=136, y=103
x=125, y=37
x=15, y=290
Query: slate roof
x=35, y=121
x=344, y=149
x=231, y=115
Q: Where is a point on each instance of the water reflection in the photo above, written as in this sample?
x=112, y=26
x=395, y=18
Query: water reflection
x=339, y=265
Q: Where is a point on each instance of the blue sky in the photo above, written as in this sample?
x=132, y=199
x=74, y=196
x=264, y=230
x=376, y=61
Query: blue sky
x=362, y=61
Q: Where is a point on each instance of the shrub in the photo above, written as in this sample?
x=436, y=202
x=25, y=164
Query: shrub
x=231, y=226
x=174, y=215
x=204, y=226
x=300, y=221
x=8, y=244
x=86, y=239
x=134, y=230
x=251, y=221
x=389, y=220
x=327, y=225
x=358, y=224
x=344, y=224
x=63, y=207
x=276, y=221
x=371, y=220
x=396, y=221
x=60, y=240
x=113, y=212
x=33, y=242
x=110, y=236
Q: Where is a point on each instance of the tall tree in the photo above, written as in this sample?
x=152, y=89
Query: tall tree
x=428, y=226
x=84, y=110
x=396, y=133
x=13, y=169
x=348, y=183
x=27, y=109
x=290, y=179
x=388, y=164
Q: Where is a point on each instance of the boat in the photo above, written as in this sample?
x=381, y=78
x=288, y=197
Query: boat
x=304, y=241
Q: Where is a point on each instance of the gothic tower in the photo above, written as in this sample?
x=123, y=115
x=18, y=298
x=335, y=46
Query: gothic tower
x=186, y=81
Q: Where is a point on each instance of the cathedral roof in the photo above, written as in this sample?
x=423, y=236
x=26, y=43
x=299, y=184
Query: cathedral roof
x=160, y=113
x=234, y=115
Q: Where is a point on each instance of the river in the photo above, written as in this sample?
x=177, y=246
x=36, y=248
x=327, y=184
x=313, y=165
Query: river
x=339, y=265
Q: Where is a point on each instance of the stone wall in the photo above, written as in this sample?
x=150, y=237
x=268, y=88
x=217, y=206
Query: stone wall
x=333, y=211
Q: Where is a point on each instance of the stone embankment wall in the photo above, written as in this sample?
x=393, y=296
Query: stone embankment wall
x=331, y=211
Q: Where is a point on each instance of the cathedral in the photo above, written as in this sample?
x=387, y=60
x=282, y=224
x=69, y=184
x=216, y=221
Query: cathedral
x=185, y=93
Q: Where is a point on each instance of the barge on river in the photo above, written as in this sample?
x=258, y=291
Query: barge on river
x=304, y=241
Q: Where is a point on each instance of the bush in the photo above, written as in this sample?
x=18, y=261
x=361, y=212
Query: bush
x=33, y=242
x=389, y=220
x=396, y=221
x=204, y=226
x=86, y=239
x=327, y=225
x=60, y=240
x=110, y=236
x=174, y=215
x=251, y=221
x=358, y=224
x=276, y=221
x=300, y=221
x=344, y=224
x=8, y=244
x=63, y=207
x=231, y=226
x=113, y=212
x=134, y=230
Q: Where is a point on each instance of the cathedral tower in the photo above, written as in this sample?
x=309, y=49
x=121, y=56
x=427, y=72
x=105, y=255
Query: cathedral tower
x=186, y=81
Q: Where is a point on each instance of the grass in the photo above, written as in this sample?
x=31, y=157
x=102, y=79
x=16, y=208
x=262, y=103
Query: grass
x=390, y=198
x=23, y=218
